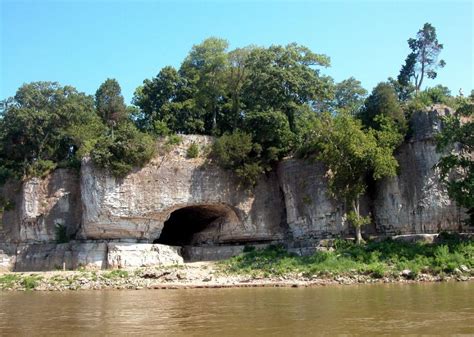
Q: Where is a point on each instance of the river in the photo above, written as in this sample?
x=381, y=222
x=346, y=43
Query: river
x=369, y=310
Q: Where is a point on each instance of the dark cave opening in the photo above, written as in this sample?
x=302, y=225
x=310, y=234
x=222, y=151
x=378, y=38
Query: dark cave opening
x=183, y=224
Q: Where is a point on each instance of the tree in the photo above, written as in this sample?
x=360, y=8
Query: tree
x=45, y=125
x=457, y=166
x=382, y=101
x=237, y=152
x=109, y=102
x=283, y=78
x=156, y=99
x=125, y=149
x=351, y=154
x=205, y=68
x=349, y=95
x=423, y=59
x=271, y=131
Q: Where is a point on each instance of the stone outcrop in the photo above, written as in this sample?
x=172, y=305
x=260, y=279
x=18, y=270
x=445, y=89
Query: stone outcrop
x=125, y=255
x=137, y=206
x=310, y=213
x=415, y=201
x=190, y=202
x=40, y=206
x=51, y=256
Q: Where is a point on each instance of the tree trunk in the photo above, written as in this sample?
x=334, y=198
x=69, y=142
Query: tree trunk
x=355, y=206
x=214, y=119
x=358, y=235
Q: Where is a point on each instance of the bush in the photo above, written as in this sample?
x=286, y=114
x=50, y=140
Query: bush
x=193, y=151
x=122, y=150
x=30, y=282
x=238, y=153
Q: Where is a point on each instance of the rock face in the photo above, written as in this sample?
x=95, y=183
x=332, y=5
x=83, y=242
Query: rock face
x=39, y=206
x=179, y=201
x=310, y=213
x=415, y=201
x=137, y=206
x=72, y=255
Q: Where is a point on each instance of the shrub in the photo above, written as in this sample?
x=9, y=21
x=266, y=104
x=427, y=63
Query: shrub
x=193, y=151
x=174, y=139
x=238, y=153
x=122, y=150
x=30, y=282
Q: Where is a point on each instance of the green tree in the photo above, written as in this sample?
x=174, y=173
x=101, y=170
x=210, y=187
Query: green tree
x=349, y=95
x=271, y=131
x=284, y=78
x=456, y=140
x=237, y=152
x=423, y=59
x=109, y=102
x=382, y=101
x=205, y=69
x=123, y=150
x=156, y=99
x=45, y=125
x=351, y=154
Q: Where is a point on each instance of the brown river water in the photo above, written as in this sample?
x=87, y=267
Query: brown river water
x=367, y=310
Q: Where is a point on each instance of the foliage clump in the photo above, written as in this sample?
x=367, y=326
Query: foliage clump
x=119, y=152
x=375, y=259
x=457, y=166
x=192, y=151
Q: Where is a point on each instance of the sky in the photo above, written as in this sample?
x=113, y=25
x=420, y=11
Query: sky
x=82, y=43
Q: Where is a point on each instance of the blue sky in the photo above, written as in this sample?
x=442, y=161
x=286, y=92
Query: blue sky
x=82, y=43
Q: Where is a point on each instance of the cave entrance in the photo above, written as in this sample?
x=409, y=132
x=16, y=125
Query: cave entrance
x=195, y=225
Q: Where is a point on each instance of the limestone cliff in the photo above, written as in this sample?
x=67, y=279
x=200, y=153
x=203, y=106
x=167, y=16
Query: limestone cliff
x=180, y=201
x=137, y=206
x=415, y=201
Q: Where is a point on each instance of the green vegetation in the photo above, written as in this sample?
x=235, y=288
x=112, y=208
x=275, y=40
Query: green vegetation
x=351, y=154
x=423, y=59
x=9, y=280
x=27, y=282
x=30, y=282
x=193, y=151
x=60, y=232
x=6, y=205
x=120, y=151
x=117, y=273
x=261, y=103
x=457, y=167
x=377, y=259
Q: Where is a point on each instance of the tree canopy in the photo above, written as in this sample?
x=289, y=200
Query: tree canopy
x=261, y=103
x=457, y=164
x=351, y=155
x=423, y=59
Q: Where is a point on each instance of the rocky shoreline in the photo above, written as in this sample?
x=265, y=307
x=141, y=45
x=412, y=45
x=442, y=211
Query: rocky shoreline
x=194, y=275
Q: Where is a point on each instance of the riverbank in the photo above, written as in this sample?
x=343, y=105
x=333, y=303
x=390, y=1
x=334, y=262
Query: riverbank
x=340, y=262
x=192, y=275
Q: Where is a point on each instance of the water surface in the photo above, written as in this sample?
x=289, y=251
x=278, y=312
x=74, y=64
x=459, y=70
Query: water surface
x=369, y=310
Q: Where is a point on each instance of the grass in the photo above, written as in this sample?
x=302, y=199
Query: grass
x=8, y=280
x=116, y=274
x=28, y=282
x=376, y=259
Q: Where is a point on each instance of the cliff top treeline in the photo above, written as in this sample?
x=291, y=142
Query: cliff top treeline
x=262, y=104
